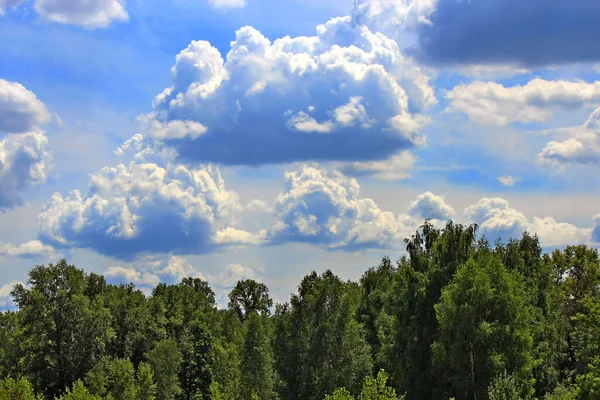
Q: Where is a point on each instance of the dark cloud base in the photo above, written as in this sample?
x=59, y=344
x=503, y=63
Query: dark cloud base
x=251, y=148
x=525, y=32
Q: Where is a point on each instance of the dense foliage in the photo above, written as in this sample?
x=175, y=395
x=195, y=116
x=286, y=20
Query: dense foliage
x=455, y=317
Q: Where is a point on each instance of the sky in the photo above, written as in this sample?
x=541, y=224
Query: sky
x=150, y=140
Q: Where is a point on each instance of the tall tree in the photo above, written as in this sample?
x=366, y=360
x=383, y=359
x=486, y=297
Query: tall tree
x=249, y=296
x=257, y=375
x=319, y=344
x=483, y=329
x=64, y=330
x=196, y=361
x=165, y=359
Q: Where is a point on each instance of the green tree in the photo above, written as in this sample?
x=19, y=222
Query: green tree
x=121, y=381
x=11, y=389
x=196, y=360
x=78, y=392
x=165, y=359
x=249, y=296
x=483, y=328
x=257, y=375
x=146, y=388
x=505, y=387
x=433, y=258
x=65, y=331
x=319, y=345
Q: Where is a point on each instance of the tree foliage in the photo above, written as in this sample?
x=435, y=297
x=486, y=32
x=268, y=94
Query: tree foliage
x=454, y=317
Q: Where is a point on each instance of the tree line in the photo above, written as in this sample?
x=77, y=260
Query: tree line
x=454, y=318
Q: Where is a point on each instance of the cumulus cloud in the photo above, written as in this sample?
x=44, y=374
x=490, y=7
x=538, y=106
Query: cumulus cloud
x=325, y=209
x=528, y=33
x=347, y=94
x=130, y=275
x=496, y=219
x=226, y=4
x=5, y=297
x=144, y=207
x=494, y=104
x=31, y=249
x=90, y=14
x=507, y=180
x=20, y=109
x=24, y=163
x=24, y=160
x=431, y=206
x=581, y=149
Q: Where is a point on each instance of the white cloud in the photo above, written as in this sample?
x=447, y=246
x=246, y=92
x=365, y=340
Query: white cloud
x=346, y=94
x=31, y=249
x=24, y=163
x=326, y=209
x=131, y=275
x=507, y=180
x=395, y=168
x=431, y=206
x=90, y=14
x=226, y=4
x=5, y=4
x=143, y=208
x=20, y=110
x=583, y=148
x=497, y=219
x=393, y=16
x=5, y=298
x=494, y=104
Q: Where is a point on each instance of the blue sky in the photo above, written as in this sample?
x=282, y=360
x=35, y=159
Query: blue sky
x=229, y=139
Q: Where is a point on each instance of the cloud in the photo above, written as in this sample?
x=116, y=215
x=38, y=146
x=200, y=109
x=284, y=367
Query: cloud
x=494, y=104
x=581, y=149
x=496, y=219
x=130, y=275
x=20, y=109
x=347, y=94
x=5, y=4
x=24, y=163
x=395, y=168
x=507, y=180
x=431, y=206
x=227, y=4
x=144, y=207
x=5, y=297
x=529, y=33
x=325, y=209
x=85, y=13
x=31, y=249
x=596, y=231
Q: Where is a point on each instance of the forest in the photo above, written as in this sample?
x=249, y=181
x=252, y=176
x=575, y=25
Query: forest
x=456, y=317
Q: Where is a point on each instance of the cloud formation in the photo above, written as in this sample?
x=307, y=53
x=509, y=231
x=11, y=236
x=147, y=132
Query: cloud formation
x=144, y=207
x=5, y=297
x=5, y=4
x=24, y=163
x=325, y=209
x=347, y=94
x=85, y=13
x=431, y=206
x=529, y=33
x=496, y=219
x=20, y=109
x=581, y=149
x=494, y=104
x=31, y=249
